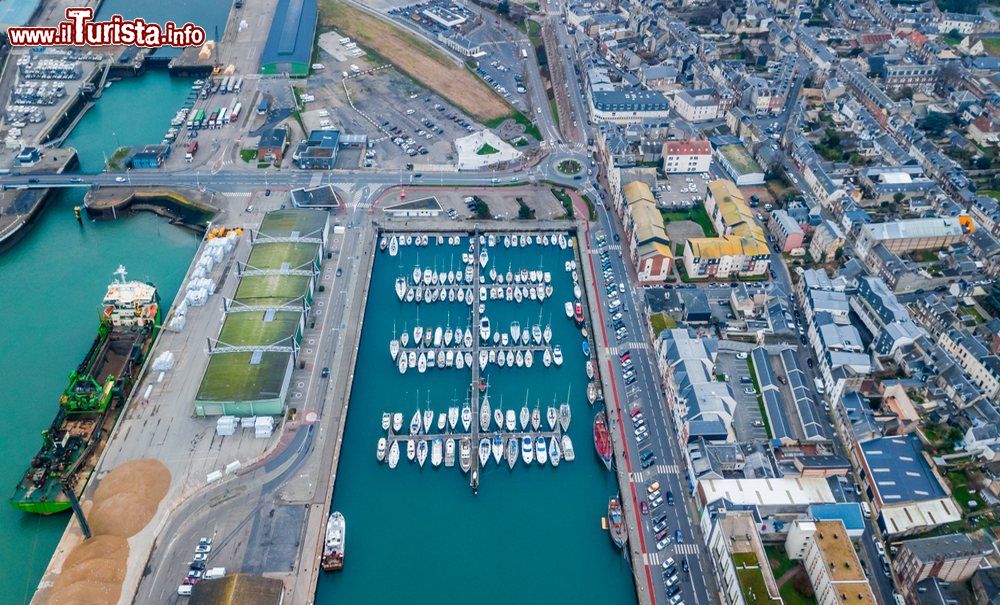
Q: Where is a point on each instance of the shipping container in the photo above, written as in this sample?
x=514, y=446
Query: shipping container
x=236, y=112
x=191, y=150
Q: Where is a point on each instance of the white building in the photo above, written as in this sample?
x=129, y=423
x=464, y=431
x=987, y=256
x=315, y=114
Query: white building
x=686, y=156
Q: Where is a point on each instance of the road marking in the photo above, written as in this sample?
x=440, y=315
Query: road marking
x=652, y=559
x=667, y=469
x=686, y=549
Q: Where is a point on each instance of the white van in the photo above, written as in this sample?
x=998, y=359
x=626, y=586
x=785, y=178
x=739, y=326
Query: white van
x=215, y=573
x=184, y=590
x=867, y=510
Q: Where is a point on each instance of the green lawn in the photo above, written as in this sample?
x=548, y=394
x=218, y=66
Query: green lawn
x=487, y=149
x=248, y=155
x=566, y=201
x=959, y=483
x=696, y=214
x=568, y=167
x=661, y=322
x=778, y=559
x=751, y=578
x=973, y=313
x=992, y=46
x=529, y=127
x=793, y=597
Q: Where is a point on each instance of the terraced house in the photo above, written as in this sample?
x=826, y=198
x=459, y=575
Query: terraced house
x=648, y=243
x=740, y=250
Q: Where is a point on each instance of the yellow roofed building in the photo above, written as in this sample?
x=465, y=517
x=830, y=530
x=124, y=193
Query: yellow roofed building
x=740, y=250
x=649, y=246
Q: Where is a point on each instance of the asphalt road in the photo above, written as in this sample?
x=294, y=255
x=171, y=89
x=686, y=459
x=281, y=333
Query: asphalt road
x=697, y=586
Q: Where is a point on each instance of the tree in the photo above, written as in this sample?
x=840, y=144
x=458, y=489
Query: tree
x=839, y=254
x=935, y=123
x=898, y=197
x=906, y=93
x=983, y=163
x=503, y=7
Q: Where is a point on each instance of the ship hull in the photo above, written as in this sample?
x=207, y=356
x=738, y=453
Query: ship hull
x=41, y=508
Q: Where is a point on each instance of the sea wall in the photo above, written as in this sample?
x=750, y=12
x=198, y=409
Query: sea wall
x=186, y=207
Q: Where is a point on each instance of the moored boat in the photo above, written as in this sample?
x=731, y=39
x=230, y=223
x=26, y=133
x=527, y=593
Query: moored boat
x=484, y=451
x=602, y=439
x=465, y=454
x=541, y=450
x=616, y=523
x=568, y=454
x=333, y=542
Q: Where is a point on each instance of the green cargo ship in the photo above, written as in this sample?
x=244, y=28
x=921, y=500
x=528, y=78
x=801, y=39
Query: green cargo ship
x=89, y=405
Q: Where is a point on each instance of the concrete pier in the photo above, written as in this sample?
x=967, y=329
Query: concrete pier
x=474, y=475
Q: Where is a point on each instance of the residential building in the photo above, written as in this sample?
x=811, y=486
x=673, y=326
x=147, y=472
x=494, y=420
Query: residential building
x=272, y=144
x=697, y=105
x=786, y=230
x=649, y=246
x=739, y=558
x=888, y=321
x=911, y=235
x=628, y=106
x=828, y=556
x=952, y=558
x=982, y=367
x=884, y=183
x=687, y=156
x=740, y=249
x=827, y=238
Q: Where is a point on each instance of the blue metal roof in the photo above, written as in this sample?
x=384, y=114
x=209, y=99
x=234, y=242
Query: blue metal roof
x=291, y=37
x=17, y=12
x=848, y=512
x=770, y=391
x=898, y=470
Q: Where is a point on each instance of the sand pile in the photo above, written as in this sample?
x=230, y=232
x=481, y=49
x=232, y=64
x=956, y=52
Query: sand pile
x=124, y=502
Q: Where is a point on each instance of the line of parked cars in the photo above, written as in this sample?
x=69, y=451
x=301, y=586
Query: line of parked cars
x=198, y=568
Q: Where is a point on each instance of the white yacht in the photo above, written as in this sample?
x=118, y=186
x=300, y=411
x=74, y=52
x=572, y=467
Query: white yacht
x=411, y=449
x=497, y=447
x=564, y=416
x=529, y=358
x=397, y=422
x=393, y=246
x=394, y=454
x=422, y=451
x=402, y=364
x=484, y=414
x=417, y=275
x=401, y=287
x=465, y=454
x=449, y=452
x=382, y=446
x=541, y=450
x=510, y=359
x=554, y=454
x=567, y=448
x=386, y=419
x=511, y=420
x=453, y=417
x=442, y=421
x=536, y=333
x=438, y=336
x=515, y=331
x=569, y=309
x=527, y=450
x=484, y=451
x=466, y=417
x=437, y=447
x=394, y=348
x=415, y=423
x=536, y=419
x=553, y=417
x=418, y=335
x=428, y=420
x=484, y=329
x=547, y=358
x=547, y=334
x=557, y=356
x=525, y=417
x=422, y=363
x=511, y=451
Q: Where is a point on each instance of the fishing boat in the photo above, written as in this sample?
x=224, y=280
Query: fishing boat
x=465, y=454
x=394, y=454
x=567, y=449
x=578, y=313
x=511, y=420
x=421, y=452
x=449, y=452
x=411, y=449
x=511, y=451
x=554, y=454
x=564, y=416
x=527, y=450
x=541, y=450
x=437, y=447
x=552, y=416
x=484, y=414
x=602, y=439
x=616, y=523
x=401, y=287
x=484, y=451
x=589, y=367
x=453, y=417
x=333, y=542
x=497, y=448
x=415, y=423
x=557, y=355
x=397, y=422
x=428, y=420
x=529, y=358
x=586, y=349
x=380, y=451
x=525, y=417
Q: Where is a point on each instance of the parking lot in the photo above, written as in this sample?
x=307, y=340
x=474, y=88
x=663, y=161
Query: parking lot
x=747, y=422
x=681, y=190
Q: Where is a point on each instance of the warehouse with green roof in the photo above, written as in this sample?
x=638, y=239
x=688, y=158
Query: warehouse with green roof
x=252, y=359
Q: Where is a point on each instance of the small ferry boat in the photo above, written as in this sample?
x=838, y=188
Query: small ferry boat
x=333, y=543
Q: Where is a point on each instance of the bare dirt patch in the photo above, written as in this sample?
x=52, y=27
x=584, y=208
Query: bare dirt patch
x=415, y=58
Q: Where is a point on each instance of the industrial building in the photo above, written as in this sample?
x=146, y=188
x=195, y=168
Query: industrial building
x=319, y=151
x=910, y=235
x=251, y=361
x=289, y=43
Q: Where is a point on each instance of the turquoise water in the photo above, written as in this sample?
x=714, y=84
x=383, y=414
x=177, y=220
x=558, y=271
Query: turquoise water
x=54, y=280
x=210, y=15
x=532, y=534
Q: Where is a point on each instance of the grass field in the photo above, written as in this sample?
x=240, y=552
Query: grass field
x=231, y=377
x=250, y=329
x=271, y=256
x=415, y=58
x=695, y=214
x=992, y=46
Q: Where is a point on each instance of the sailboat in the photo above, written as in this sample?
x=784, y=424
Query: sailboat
x=498, y=417
x=428, y=420
x=592, y=392
x=511, y=451
x=422, y=452
x=394, y=348
x=497, y=448
x=417, y=275
x=484, y=414
x=511, y=420
x=442, y=421
x=401, y=287
x=397, y=421
x=529, y=358
x=422, y=363
x=536, y=419
x=510, y=359
x=411, y=449
x=547, y=334
x=394, y=454
x=447, y=337
x=453, y=417
x=418, y=334
x=484, y=451
x=525, y=417
x=515, y=331
x=415, y=423
x=547, y=358
x=554, y=454
x=466, y=416
x=552, y=416
x=519, y=359
x=393, y=246
x=564, y=416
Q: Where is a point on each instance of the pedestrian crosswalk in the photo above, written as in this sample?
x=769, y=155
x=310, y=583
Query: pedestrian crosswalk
x=628, y=346
x=241, y=194
x=688, y=548
x=667, y=469
x=652, y=559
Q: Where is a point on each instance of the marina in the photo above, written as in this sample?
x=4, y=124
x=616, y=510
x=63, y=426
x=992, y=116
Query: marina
x=447, y=418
